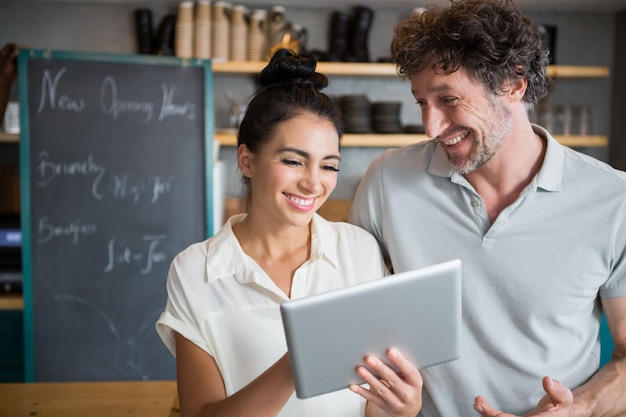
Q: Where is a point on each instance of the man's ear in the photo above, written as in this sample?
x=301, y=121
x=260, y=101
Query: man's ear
x=517, y=89
x=244, y=160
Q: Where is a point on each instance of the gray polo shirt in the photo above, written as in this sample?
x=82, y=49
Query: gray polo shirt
x=531, y=280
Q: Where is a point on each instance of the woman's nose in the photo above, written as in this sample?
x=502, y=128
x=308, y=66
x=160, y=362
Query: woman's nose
x=311, y=180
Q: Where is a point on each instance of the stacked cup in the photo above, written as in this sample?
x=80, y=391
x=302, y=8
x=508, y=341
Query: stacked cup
x=184, y=30
x=221, y=30
x=276, y=21
x=257, y=35
x=238, y=34
x=202, y=39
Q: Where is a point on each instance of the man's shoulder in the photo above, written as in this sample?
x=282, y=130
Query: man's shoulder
x=578, y=163
x=412, y=153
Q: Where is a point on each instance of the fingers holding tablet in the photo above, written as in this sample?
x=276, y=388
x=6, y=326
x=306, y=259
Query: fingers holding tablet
x=397, y=393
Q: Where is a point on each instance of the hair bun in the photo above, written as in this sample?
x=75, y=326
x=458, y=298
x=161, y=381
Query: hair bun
x=286, y=67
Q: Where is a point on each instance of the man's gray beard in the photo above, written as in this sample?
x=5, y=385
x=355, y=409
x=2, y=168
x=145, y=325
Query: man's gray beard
x=497, y=129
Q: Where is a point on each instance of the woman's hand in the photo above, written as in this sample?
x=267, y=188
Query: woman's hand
x=395, y=394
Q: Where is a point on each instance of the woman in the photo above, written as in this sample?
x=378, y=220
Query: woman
x=222, y=319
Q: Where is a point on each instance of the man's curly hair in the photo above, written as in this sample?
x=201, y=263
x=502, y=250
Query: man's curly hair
x=491, y=39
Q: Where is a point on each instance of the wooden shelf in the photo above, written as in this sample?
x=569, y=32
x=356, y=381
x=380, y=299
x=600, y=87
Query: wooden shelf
x=389, y=69
x=395, y=140
x=348, y=140
x=11, y=302
x=9, y=137
x=328, y=68
x=228, y=138
x=582, y=141
x=574, y=71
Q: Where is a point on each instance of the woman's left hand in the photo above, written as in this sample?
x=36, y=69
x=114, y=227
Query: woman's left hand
x=396, y=394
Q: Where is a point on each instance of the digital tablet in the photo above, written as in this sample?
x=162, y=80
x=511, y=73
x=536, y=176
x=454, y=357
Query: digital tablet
x=329, y=334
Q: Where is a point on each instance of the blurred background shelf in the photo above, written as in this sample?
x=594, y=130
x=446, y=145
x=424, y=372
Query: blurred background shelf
x=389, y=69
x=229, y=138
x=9, y=137
x=11, y=302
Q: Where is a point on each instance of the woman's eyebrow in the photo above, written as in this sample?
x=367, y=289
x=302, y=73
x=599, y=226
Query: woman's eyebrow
x=305, y=154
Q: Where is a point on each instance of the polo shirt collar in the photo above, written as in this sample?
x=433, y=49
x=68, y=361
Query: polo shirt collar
x=548, y=178
x=550, y=175
x=225, y=258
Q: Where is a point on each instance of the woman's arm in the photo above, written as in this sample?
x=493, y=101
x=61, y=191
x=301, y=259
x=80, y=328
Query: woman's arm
x=201, y=389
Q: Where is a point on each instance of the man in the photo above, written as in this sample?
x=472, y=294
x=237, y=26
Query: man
x=540, y=229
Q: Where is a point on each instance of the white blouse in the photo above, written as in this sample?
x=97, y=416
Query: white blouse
x=221, y=300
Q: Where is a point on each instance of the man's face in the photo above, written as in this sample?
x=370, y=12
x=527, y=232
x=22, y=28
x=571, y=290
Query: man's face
x=470, y=122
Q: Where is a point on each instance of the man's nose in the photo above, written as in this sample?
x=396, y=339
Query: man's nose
x=434, y=120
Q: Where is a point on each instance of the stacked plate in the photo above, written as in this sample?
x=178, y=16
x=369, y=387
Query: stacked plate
x=386, y=117
x=356, y=114
x=419, y=129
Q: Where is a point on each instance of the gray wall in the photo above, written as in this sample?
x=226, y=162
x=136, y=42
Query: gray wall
x=583, y=39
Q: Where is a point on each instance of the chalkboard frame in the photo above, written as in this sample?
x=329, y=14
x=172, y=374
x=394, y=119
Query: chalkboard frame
x=24, y=57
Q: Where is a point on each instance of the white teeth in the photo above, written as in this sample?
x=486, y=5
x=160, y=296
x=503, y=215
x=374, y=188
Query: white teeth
x=455, y=140
x=301, y=201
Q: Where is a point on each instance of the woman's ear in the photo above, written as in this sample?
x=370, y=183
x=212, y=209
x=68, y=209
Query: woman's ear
x=244, y=160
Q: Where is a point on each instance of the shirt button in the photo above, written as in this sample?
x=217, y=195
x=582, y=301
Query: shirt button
x=476, y=203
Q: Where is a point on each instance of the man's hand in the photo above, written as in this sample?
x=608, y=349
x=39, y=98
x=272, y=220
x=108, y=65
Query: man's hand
x=557, y=402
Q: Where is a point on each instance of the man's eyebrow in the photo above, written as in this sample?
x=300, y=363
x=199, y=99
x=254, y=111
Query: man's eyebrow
x=436, y=89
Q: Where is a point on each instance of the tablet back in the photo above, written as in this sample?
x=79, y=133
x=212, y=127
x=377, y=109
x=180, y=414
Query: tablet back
x=329, y=334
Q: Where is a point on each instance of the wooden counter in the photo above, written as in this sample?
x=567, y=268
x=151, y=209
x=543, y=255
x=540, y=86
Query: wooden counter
x=89, y=399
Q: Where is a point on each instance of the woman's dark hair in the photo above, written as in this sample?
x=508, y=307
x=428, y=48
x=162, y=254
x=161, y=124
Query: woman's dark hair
x=290, y=87
x=491, y=39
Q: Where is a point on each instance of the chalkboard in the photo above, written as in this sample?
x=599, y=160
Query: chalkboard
x=116, y=179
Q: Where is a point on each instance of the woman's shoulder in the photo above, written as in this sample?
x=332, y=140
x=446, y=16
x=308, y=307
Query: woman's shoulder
x=194, y=253
x=212, y=246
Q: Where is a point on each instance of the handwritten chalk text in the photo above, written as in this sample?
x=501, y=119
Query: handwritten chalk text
x=53, y=98
x=46, y=231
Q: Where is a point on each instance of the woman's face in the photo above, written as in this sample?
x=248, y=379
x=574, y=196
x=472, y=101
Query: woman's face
x=295, y=172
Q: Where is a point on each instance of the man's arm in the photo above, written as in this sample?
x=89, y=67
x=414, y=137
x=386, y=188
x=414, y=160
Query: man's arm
x=605, y=393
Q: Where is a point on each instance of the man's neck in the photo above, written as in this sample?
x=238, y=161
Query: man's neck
x=502, y=179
